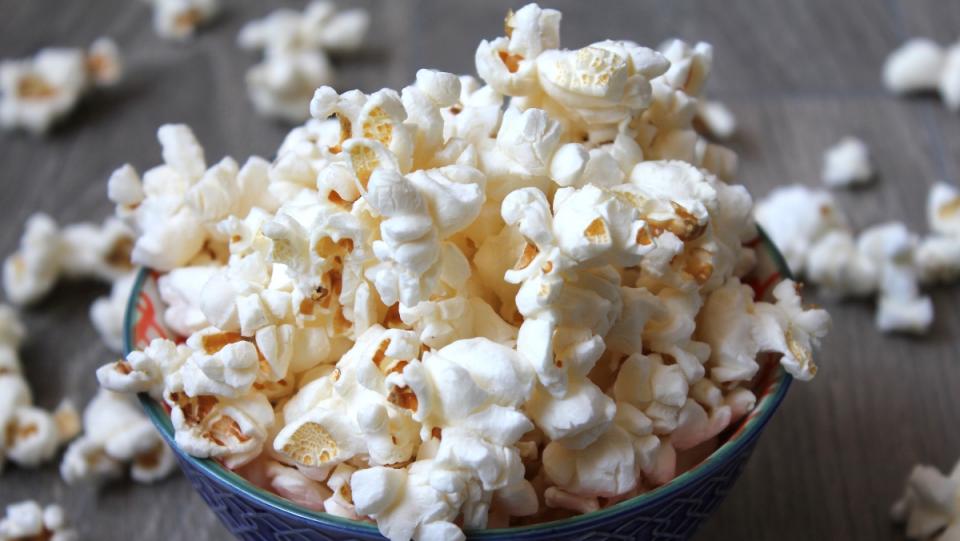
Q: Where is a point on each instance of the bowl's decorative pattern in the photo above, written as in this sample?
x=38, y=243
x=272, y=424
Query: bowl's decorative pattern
x=671, y=512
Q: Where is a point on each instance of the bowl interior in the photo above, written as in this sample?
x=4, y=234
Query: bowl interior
x=144, y=322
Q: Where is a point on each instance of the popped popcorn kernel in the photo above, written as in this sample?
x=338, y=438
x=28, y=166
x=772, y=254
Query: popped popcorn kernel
x=37, y=92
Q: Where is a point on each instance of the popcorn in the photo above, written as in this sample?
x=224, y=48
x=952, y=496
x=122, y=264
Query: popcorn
x=437, y=313
x=231, y=430
x=929, y=505
x=37, y=92
x=28, y=520
x=107, y=313
x=836, y=266
x=181, y=290
x=847, y=163
x=938, y=259
x=943, y=209
x=295, y=61
x=900, y=307
x=405, y=502
x=716, y=118
x=31, y=272
x=29, y=436
x=922, y=65
x=915, y=65
x=293, y=485
x=787, y=328
x=796, y=217
x=179, y=19
x=102, y=252
x=116, y=433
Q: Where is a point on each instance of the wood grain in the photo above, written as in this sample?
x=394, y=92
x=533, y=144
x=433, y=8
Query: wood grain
x=799, y=74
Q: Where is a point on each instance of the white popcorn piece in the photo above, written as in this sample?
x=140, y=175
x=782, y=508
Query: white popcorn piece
x=938, y=259
x=837, y=267
x=406, y=503
x=509, y=64
x=847, y=163
x=901, y=307
x=28, y=520
x=37, y=92
x=295, y=61
x=943, y=209
x=33, y=437
x=786, y=327
x=101, y=252
x=179, y=19
x=717, y=119
x=231, y=430
x=604, y=468
x=145, y=371
x=796, y=217
x=31, y=272
x=915, y=65
x=293, y=485
x=221, y=364
x=107, y=313
x=116, y=433
x=930, y=505
x=181, y=290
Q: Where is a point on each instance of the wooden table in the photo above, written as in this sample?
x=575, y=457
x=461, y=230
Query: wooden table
x=799, y=74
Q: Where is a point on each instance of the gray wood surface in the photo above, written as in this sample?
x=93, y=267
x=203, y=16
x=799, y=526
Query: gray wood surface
x=799, y=74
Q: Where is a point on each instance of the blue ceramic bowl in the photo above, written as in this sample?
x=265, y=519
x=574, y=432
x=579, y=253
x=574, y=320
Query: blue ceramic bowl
x=673, y=511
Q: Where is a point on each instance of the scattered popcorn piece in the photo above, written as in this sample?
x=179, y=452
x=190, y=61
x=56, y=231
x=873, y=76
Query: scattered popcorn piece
x=943, y=209
x=915, y=65
x=31, y=272
x=37, y=92
x=180, y=19
x=28, y=520
x=29, y=436
x=717, y=119
x=847, y=163
x=930, y=505
x=893, y=250
x=295, y=61
x=796, y=217
x=116, y=433
x=938, y=259
x=922, y=65
x=835, y=265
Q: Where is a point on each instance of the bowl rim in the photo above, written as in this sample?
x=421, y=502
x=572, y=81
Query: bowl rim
x=742, y=438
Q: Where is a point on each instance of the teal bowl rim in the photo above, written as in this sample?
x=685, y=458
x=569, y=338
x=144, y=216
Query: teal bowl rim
x=748, y=432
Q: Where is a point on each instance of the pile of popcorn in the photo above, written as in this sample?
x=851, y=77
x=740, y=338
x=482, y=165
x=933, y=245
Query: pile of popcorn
x=29, y=436
x=886, y=259
x=922, y=65
x=437, y=312
x=295, y=61
x=37, y=92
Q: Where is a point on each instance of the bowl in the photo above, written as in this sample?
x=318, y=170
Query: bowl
x=672, y=511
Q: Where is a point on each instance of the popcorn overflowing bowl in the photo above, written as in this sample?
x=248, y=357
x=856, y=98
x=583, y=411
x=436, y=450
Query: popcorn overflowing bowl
x=442, y=311
x=672, y=511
